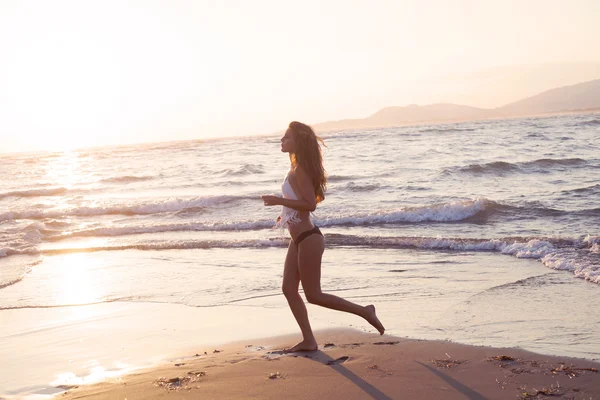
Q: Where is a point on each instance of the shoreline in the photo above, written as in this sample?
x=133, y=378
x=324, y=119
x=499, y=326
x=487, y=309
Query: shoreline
x=48, y=351
x=351, y=364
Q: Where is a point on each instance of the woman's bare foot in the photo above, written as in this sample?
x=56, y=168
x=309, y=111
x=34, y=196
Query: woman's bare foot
x=371, y=317
x=305, y=345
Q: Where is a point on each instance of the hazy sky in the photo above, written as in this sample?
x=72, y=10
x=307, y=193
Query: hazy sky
x=81, y=73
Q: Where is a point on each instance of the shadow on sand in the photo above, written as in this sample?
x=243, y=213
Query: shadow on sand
x=336, y=364
x=467, y=391
x=371, y=390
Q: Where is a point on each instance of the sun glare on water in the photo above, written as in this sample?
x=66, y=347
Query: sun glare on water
x=65, y=170
x=74, y=283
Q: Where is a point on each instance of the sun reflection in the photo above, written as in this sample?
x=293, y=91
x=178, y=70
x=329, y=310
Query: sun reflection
x=75, y=283
x=65, y=170
x=96, y=374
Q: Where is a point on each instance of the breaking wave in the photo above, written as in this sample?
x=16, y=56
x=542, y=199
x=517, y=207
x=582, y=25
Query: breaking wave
x=502, y=167
x=580, y=257
x=35, y=192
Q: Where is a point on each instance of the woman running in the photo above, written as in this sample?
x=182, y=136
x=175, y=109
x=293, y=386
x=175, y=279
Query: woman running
x=303, y=188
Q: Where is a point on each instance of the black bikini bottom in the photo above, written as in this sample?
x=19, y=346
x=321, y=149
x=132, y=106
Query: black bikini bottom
x=306, y=234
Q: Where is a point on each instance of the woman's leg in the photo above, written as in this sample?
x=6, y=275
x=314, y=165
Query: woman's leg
x=310, y=253
x=291, y=280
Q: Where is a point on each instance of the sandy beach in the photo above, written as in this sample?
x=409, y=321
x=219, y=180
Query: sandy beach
x=178, y=179
x=354, y=365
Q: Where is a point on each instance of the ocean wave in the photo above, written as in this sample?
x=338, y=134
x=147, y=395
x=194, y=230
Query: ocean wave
x=502, y=167
x=591, y=212
x=339, y=178
x=127, y=179
x=492, y=167
x=591, y=240
x=10, y=251
x=177, y=227
x=475, y=210
x=20, y=239
x=442, y=129
x=552, y=162
x=593, y=189
x=445, y=212
x=176, y=245
x=154, y=207
x=573, y=255
x=35, y=192
x=355, y=187
x=590, y=122
x=561, y=254
x=451, y=212
x=246, y=169
x=16, y=272
x=584, y=266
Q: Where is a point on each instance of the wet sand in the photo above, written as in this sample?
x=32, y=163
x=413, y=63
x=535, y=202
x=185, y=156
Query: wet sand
x=350, y=364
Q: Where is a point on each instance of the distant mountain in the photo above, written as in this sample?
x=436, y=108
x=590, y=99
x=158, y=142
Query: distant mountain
x=575, y=97
x=581, y=96
x=412, y=114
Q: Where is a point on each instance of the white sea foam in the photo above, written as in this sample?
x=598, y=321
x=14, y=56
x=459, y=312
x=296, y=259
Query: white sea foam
x=14, y=269
x=591, y=240
x=35, y=192
x=152, y=207
x=454, y=211
x=446, y=212
x=581, y=267
x=532, y=249
x=177, y=245
x=20, y=239
x=181, y=227
x=568, y=259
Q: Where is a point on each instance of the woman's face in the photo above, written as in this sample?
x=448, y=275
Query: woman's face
x=287, y=142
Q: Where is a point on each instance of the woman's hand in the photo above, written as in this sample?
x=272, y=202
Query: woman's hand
x=271, y=200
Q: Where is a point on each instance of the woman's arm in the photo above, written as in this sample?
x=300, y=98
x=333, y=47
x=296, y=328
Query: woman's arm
x=306, y=190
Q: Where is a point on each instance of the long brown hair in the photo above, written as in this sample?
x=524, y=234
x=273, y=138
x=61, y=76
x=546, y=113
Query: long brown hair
x=308, y=155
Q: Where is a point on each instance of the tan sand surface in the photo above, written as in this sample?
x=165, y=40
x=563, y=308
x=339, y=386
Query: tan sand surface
x=354, y=365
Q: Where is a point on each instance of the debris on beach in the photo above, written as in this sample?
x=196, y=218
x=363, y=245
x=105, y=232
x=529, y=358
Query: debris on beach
x=519, y=371
x=255, y=348
x=180, y=382
x=551, y=391
x=385, y=343
x=276, y=375
x=503, y=361
x=327, y=345
x=217, y=351
x=571, y=372
x=501, y=358
x=446, y=362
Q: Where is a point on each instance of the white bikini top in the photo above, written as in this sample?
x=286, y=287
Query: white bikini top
x=289, y=216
